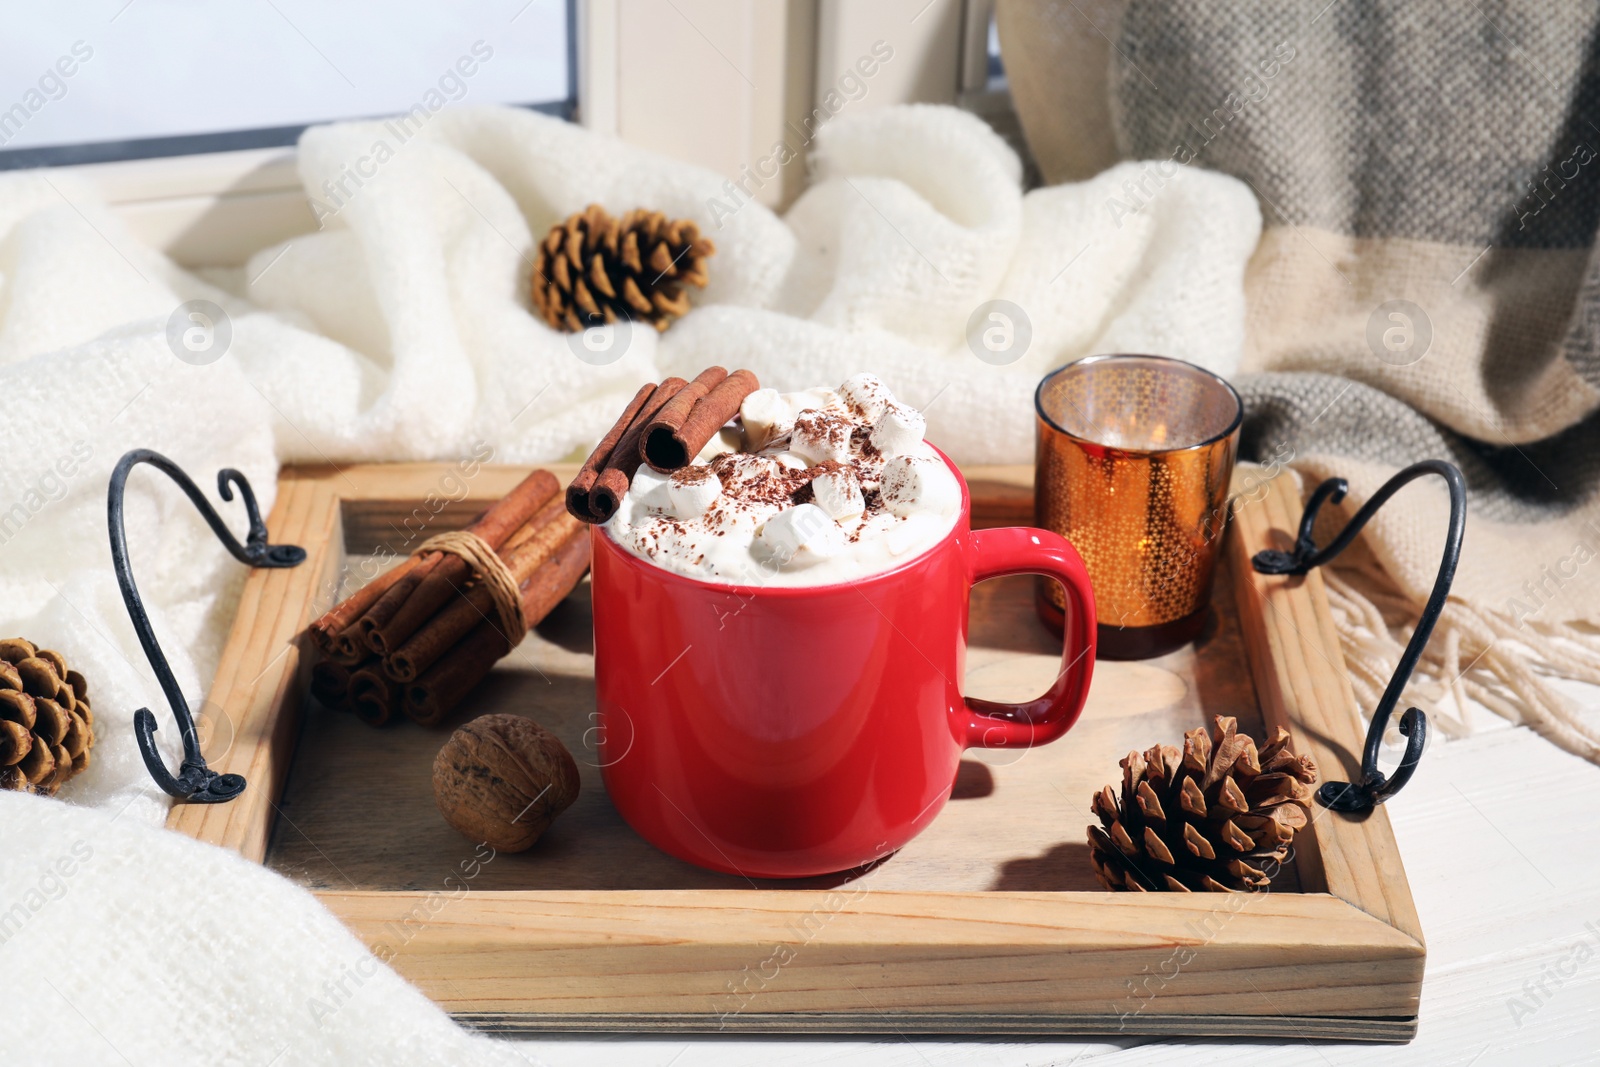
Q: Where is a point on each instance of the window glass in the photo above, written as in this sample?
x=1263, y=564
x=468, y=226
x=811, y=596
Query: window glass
x=119, y=79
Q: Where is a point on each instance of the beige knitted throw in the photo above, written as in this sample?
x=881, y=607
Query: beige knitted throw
x=1426, y=286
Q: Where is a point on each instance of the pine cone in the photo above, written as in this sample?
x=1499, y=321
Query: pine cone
x=1213, y=817
x=593, y=269
x=46, y=724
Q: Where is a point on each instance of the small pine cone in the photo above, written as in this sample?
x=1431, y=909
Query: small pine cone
x=593, y=269
x=46, y=724
x=1217, y=816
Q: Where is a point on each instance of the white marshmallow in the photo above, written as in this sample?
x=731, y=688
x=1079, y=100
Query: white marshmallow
x=732, y=525
x=913, y=484
x=692, y=490
x=821, y=435
x=748, y=469
x=767, y=416
x=800, y=536
x=649, y=490
x=747, y=529
x=815, y=400
x=898, y=430
x=839, y=494
x=726, y=439
x=866, y=396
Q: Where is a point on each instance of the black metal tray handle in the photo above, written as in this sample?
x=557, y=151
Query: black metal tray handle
x=1375, y=787
x=195, y=782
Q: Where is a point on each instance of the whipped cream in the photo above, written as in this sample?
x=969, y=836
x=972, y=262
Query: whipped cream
x=809, y=488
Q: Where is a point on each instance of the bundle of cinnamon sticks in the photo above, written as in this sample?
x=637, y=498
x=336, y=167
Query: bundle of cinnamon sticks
x=420, y=636
x=666, y=426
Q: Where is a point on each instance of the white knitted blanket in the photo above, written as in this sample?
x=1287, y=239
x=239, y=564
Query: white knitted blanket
x=400, y=330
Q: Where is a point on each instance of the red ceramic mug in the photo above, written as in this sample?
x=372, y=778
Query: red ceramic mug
x=787, y=731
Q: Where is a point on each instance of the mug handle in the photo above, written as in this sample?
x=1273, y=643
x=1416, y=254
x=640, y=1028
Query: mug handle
x=1022, y=550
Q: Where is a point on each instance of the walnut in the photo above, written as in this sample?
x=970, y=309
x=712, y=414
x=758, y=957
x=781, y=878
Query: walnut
x=502, y=780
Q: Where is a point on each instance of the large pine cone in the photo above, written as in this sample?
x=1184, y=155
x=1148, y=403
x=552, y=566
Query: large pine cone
x=46, y=724
x=593, y=269
x=1218, y=816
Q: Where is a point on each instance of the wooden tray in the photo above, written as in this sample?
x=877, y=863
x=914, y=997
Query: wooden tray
x=967, y=930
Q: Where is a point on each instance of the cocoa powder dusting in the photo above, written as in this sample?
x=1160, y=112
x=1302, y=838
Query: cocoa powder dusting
x=757, y=485
x=828, y=426
x=692, y=475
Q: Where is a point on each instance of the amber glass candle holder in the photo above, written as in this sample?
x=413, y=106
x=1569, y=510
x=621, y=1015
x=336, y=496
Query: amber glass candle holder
x=1132, y=464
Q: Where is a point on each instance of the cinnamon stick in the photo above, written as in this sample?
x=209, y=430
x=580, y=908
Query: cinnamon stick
x=371, y=626
x=500, y=519
x=681, y=429
x=373, y=697
x=330, y=683
x=612, y=484
x=445, y=570
x=530, y=529
x=347, y=648
x=551, y=528
x=434, y=695
x=511, y=512
x=450, y=572
x=325, y=631
x=441, y=634
x=683, y=402
x=578, y=491
x=441, y=687
x=527, y=557
x=550, y=584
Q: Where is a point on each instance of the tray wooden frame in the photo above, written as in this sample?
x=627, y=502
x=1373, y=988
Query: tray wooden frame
x=1342, y=959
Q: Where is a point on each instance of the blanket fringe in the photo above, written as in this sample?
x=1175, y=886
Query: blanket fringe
x=1476, y=653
